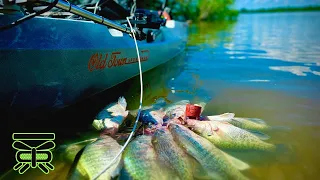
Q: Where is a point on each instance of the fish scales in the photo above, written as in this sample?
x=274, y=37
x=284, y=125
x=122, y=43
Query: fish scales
x=210, y=157
x=96, y=157
x=248, y=123
x=225, y=135
x=141, y=162
x=171, y=155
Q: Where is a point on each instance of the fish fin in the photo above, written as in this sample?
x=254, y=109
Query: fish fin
x=221, y=117
x=237, y=163
x=74, y=172
x=284, y=148
x=259, y=134
x=255, y=120
x=286, y=153
x=280, y=128
x=182, y=102
x=122, y=102
x=117, y=108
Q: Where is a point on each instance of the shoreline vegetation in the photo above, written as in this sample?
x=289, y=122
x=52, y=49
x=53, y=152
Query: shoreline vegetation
x=281, y=9
x=195, y=10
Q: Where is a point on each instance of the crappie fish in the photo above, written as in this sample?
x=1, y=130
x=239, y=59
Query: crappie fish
x=254, y=124
x=95, y=158
x=225, y=135
x=112, y=115
x=171, y=155
x=140, y=160
x=218, y=164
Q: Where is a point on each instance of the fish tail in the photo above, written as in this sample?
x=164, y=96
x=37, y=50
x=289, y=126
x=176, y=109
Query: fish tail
x=122, y=101
x=285, y=152
x=282, y=153
x=279, y=128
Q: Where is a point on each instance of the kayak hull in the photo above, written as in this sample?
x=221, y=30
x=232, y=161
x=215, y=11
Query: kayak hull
x=52, y=63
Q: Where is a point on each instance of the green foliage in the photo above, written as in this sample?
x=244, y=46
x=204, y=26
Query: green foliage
x=203, y=10
x=196, y=10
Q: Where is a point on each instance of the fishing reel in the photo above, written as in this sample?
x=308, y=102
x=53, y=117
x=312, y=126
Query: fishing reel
x=151, y=18
x=147, y=19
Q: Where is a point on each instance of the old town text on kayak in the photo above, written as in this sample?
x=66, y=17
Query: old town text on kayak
x=98, y=61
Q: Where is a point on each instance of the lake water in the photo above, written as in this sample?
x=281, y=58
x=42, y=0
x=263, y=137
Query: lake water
x=265, y=66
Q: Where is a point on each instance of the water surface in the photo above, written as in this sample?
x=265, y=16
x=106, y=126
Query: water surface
x=266, y=66
x=263, y=65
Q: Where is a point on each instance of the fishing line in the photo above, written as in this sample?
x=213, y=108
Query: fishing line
x=140, y=106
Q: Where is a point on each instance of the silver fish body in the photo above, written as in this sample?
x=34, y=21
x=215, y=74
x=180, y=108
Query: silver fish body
x=213, y=160
x=254, y=124
x=141, y=162
x=225, y=135
x=94, y=159
x=171, y=155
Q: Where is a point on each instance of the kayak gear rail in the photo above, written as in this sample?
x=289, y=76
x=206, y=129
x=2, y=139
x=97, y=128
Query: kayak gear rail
x=67, y=6
x=89, y=15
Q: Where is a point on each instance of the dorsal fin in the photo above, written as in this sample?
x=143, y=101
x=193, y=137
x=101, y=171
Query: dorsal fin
x=259, y=134
x=255, y=120
x=221, y=117
x=122, y=102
